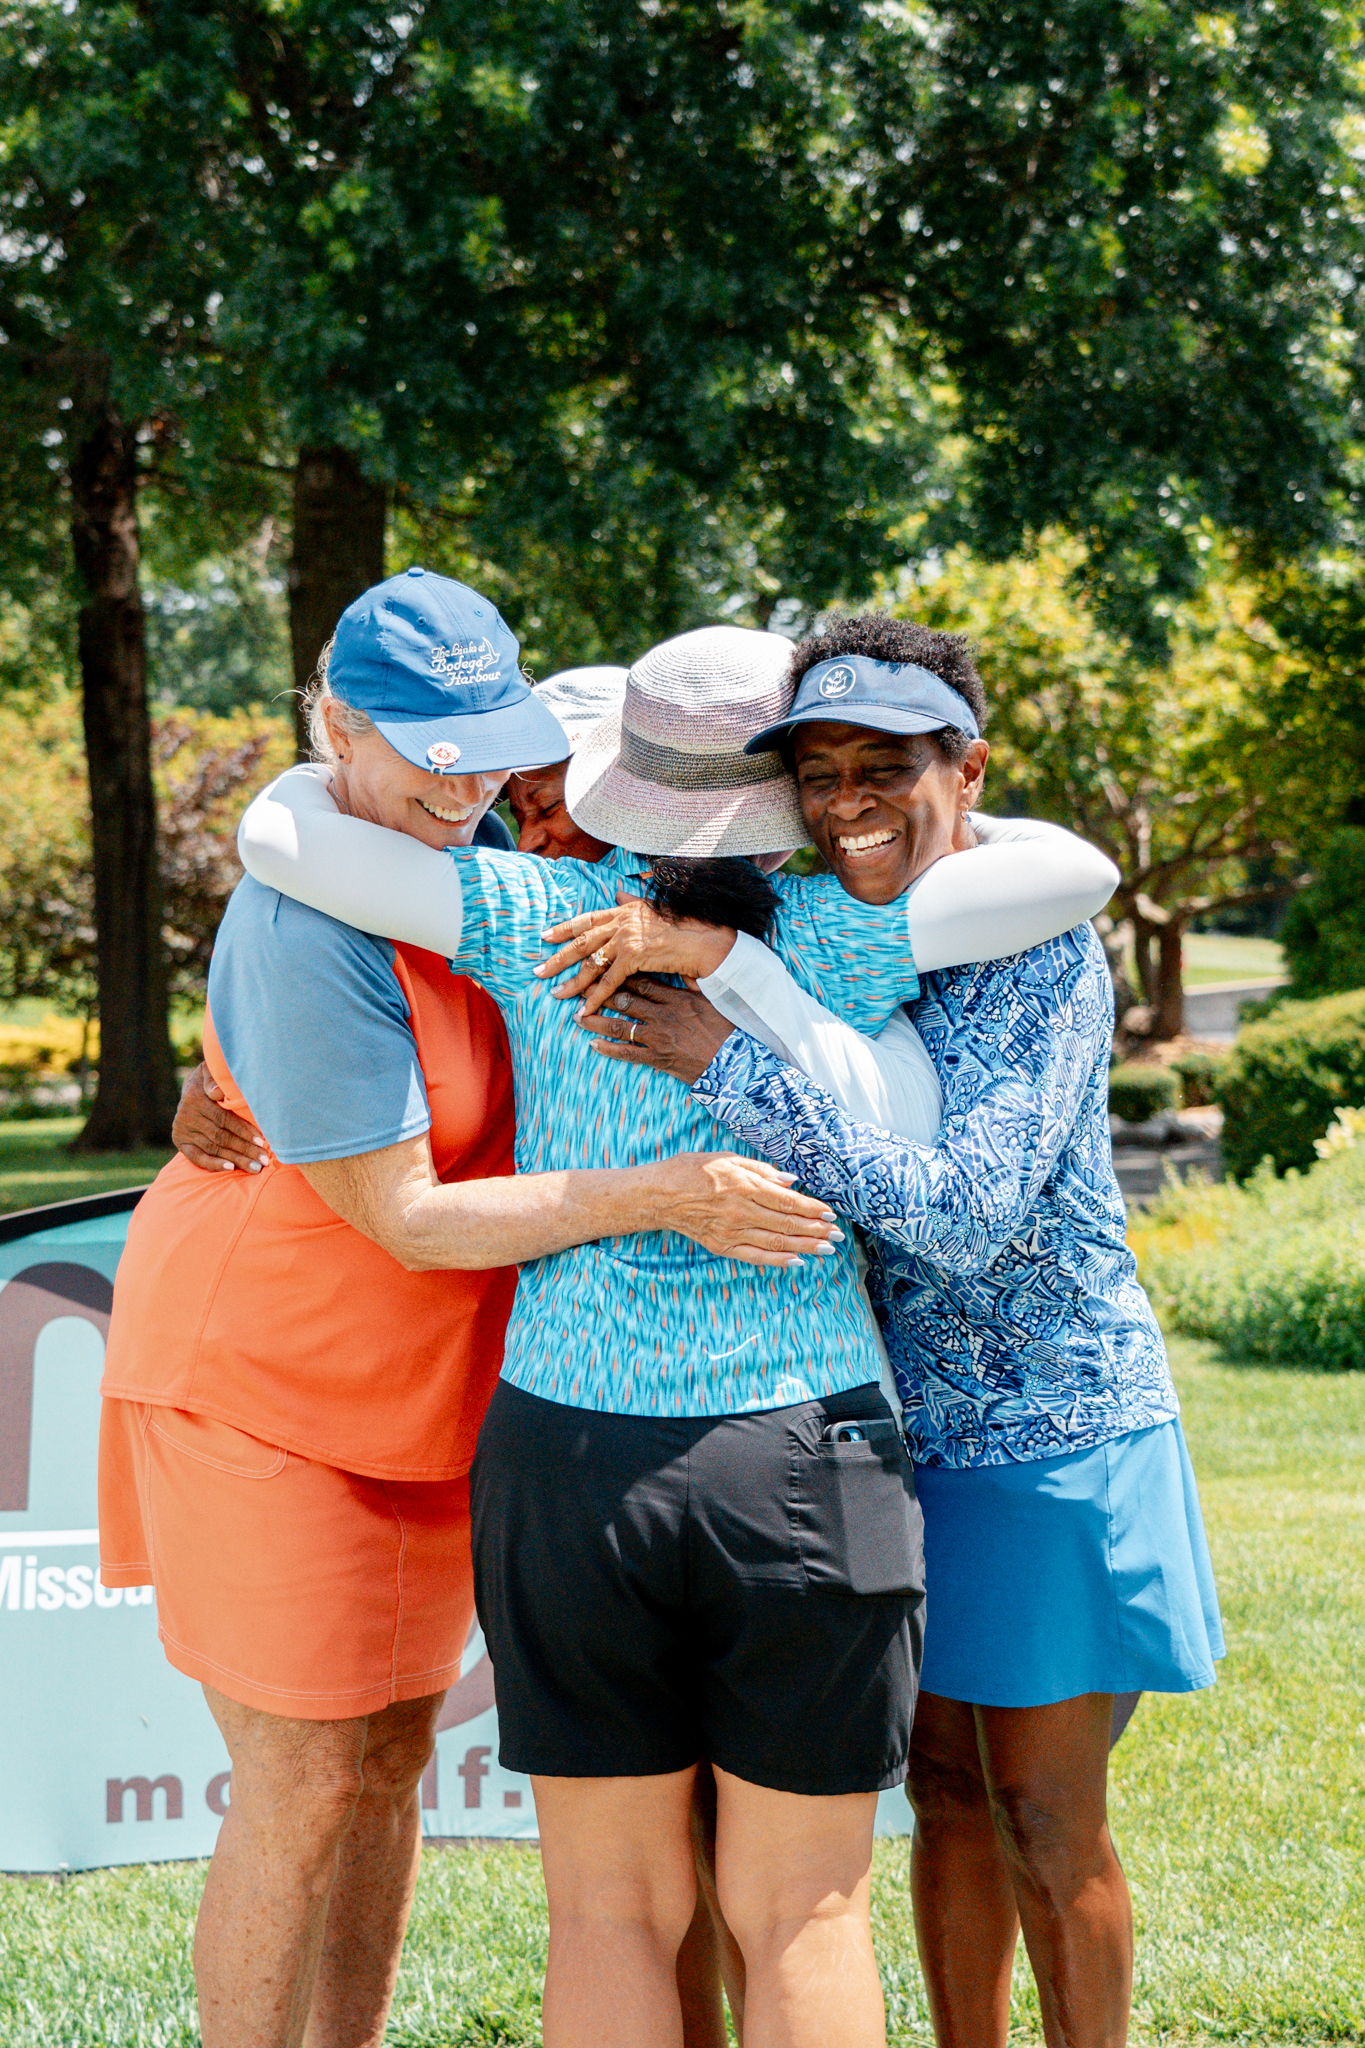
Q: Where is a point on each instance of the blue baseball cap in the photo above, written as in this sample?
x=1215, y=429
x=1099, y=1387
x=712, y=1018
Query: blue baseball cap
x=891, y=696
x=439, y=673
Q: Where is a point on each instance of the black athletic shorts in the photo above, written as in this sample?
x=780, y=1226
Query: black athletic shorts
x=741, y=1588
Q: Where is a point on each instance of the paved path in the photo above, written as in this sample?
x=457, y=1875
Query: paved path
x=1211, y=1010
x=1142, y=1168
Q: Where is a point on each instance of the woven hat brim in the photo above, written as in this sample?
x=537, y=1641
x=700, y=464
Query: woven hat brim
x=607, y=800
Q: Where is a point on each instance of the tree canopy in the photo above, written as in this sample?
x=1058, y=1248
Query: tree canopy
x=641, y=314
x=1195, y=774
x=1133, y=233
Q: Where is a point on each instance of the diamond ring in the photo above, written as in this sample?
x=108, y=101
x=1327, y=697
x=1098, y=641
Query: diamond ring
x=601, y=958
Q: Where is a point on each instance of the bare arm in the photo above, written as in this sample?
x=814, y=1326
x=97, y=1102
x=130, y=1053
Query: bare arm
x=737, y=1208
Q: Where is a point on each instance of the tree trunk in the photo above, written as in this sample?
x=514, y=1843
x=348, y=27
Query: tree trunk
x=136, y=1096
x=1168, y=1016
x=338, y=552
x=1144, y=959
x=1116, y=939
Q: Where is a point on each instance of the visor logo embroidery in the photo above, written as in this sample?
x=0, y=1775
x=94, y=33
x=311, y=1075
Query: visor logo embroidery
x=468, y=661
x=838, y=682
x=444, y=754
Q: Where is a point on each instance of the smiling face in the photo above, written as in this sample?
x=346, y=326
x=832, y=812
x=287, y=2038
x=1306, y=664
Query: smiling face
x=536, y=798
x=371, y=780
x=882, y=807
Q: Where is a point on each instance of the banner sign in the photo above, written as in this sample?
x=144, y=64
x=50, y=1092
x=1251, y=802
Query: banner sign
x=109, y=1754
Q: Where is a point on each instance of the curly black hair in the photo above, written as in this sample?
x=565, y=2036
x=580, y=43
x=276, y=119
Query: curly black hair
x=732, y=890
x=882, y=638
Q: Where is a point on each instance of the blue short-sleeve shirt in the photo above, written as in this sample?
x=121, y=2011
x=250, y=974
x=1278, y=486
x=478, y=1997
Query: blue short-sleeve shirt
x=314, y=1025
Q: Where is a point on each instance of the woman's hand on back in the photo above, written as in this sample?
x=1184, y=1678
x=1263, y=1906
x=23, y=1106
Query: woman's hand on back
x=606, y=946
x=210, y=1136
x=652, y=1024
x=741, y=1209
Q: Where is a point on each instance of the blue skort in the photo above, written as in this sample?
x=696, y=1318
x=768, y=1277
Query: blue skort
x=1084, y=1573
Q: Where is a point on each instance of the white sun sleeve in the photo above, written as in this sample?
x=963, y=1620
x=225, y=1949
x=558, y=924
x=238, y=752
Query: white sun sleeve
x=1025, y=883
x=294, y=839
x=890, y=1078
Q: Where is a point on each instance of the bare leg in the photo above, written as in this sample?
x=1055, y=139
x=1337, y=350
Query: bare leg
x=376, y=1878
x=622, y=1890
x=265, y=1921
x=295, y=1785
x=1046, y=1771
x=710, y=1955
x=794, y=1878
x=966, y=1921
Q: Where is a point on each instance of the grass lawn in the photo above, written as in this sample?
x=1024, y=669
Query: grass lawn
x=35, y=1165
x=1239, y=1813
x=1225, y=956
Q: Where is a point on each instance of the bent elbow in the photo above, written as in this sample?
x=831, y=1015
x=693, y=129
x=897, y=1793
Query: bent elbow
x=260, y=843
x=405, y=1248
x=415, y=1257
x=1100, y=883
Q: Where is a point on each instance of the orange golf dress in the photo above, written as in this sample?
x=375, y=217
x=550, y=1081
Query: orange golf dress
x=289, y=1416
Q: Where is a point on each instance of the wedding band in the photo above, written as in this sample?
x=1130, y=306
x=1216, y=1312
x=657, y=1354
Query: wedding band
x=633, y=1029
x=601, y=958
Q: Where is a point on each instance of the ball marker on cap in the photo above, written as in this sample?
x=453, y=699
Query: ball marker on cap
x=442, y=755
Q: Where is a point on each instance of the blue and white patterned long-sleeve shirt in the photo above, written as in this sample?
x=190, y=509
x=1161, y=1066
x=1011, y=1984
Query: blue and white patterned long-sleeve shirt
x=1008, y=1299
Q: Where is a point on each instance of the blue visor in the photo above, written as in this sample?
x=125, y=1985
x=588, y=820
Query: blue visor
x=889, y=696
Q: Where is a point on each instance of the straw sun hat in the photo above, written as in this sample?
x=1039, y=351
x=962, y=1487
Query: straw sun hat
x=668, y=773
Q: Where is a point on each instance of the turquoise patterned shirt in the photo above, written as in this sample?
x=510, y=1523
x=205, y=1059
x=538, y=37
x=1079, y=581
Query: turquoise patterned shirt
x=655, y=1325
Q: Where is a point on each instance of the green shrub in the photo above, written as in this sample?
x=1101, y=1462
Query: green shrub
x=1137, y=1093
x=1199, y=1073
x=1324, y=929
x=1273, y=1269
x=1285, y=1079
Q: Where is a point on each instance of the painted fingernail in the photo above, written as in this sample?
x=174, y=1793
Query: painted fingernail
x=836, y=1237
x=255, y=1165
x=823, y=1251
x=226, y=1165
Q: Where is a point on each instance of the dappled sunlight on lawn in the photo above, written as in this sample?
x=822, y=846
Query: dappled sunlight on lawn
x=1239, y=1813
